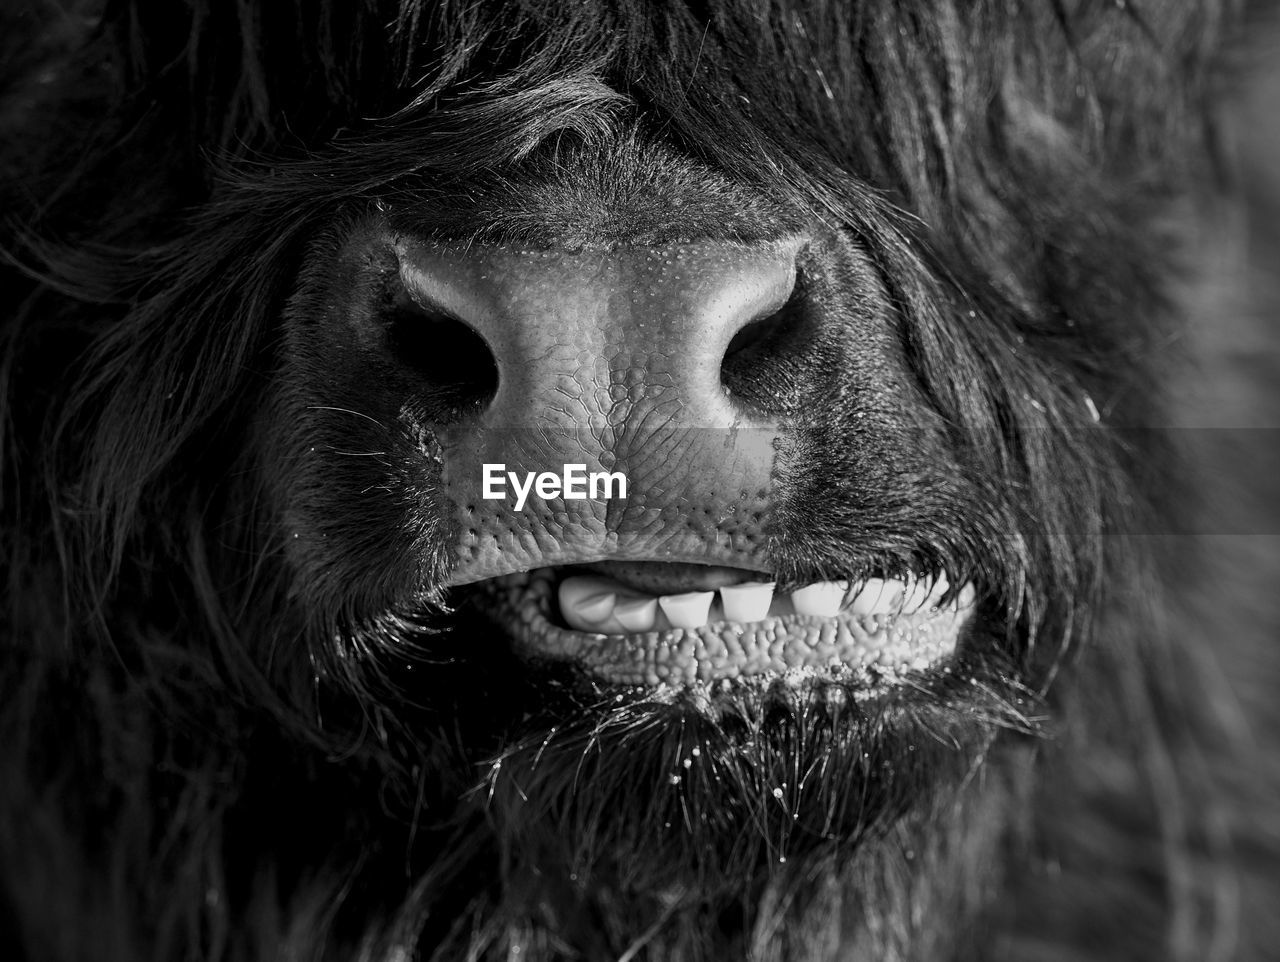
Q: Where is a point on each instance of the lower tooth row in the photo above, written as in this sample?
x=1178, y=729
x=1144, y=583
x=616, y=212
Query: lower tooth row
x=597, y=604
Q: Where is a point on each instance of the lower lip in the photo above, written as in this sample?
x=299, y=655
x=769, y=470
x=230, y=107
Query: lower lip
x=865, y=651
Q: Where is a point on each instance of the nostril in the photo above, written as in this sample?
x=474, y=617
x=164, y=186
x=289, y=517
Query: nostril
x=762, y=364
x=456, y=368
x=750, y=337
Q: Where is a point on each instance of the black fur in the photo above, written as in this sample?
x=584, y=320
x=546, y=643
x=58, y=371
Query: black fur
x=216, y=745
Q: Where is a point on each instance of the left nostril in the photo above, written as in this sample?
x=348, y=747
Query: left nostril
x=457, y=369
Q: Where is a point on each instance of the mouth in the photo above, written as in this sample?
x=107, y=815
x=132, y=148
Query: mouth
x=672, y=624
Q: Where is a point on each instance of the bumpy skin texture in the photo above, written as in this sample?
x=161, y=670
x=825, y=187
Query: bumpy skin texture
x=250, y=706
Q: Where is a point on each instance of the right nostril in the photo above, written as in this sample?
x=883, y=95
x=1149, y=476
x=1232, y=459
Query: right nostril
x=763, y=363
x=458, y=371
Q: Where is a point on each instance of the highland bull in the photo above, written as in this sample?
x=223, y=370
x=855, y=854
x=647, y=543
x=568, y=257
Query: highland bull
x=855, y=296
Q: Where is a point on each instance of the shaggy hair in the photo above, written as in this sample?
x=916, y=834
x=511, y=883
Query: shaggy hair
x=214, y=748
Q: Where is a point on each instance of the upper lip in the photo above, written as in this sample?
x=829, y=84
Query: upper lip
x=749, y=563
x=669, y=577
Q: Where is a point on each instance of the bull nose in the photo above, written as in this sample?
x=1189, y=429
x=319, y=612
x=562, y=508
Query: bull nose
x=633, y=361
x=498, y=333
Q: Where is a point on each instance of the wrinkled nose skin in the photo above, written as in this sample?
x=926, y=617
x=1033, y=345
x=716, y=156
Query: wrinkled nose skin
x=613, y=361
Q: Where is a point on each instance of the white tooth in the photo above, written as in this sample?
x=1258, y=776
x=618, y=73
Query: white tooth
x=586, y=602
x=821, y=599
x=877, y=597
x=577, y=587
x=915, y=597
x=638, y=614
x=688, y=610
x=749, y=602
x=597, y=608
x=924, y=594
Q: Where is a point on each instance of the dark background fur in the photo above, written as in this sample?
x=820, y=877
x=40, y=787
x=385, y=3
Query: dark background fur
x=142, y=780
